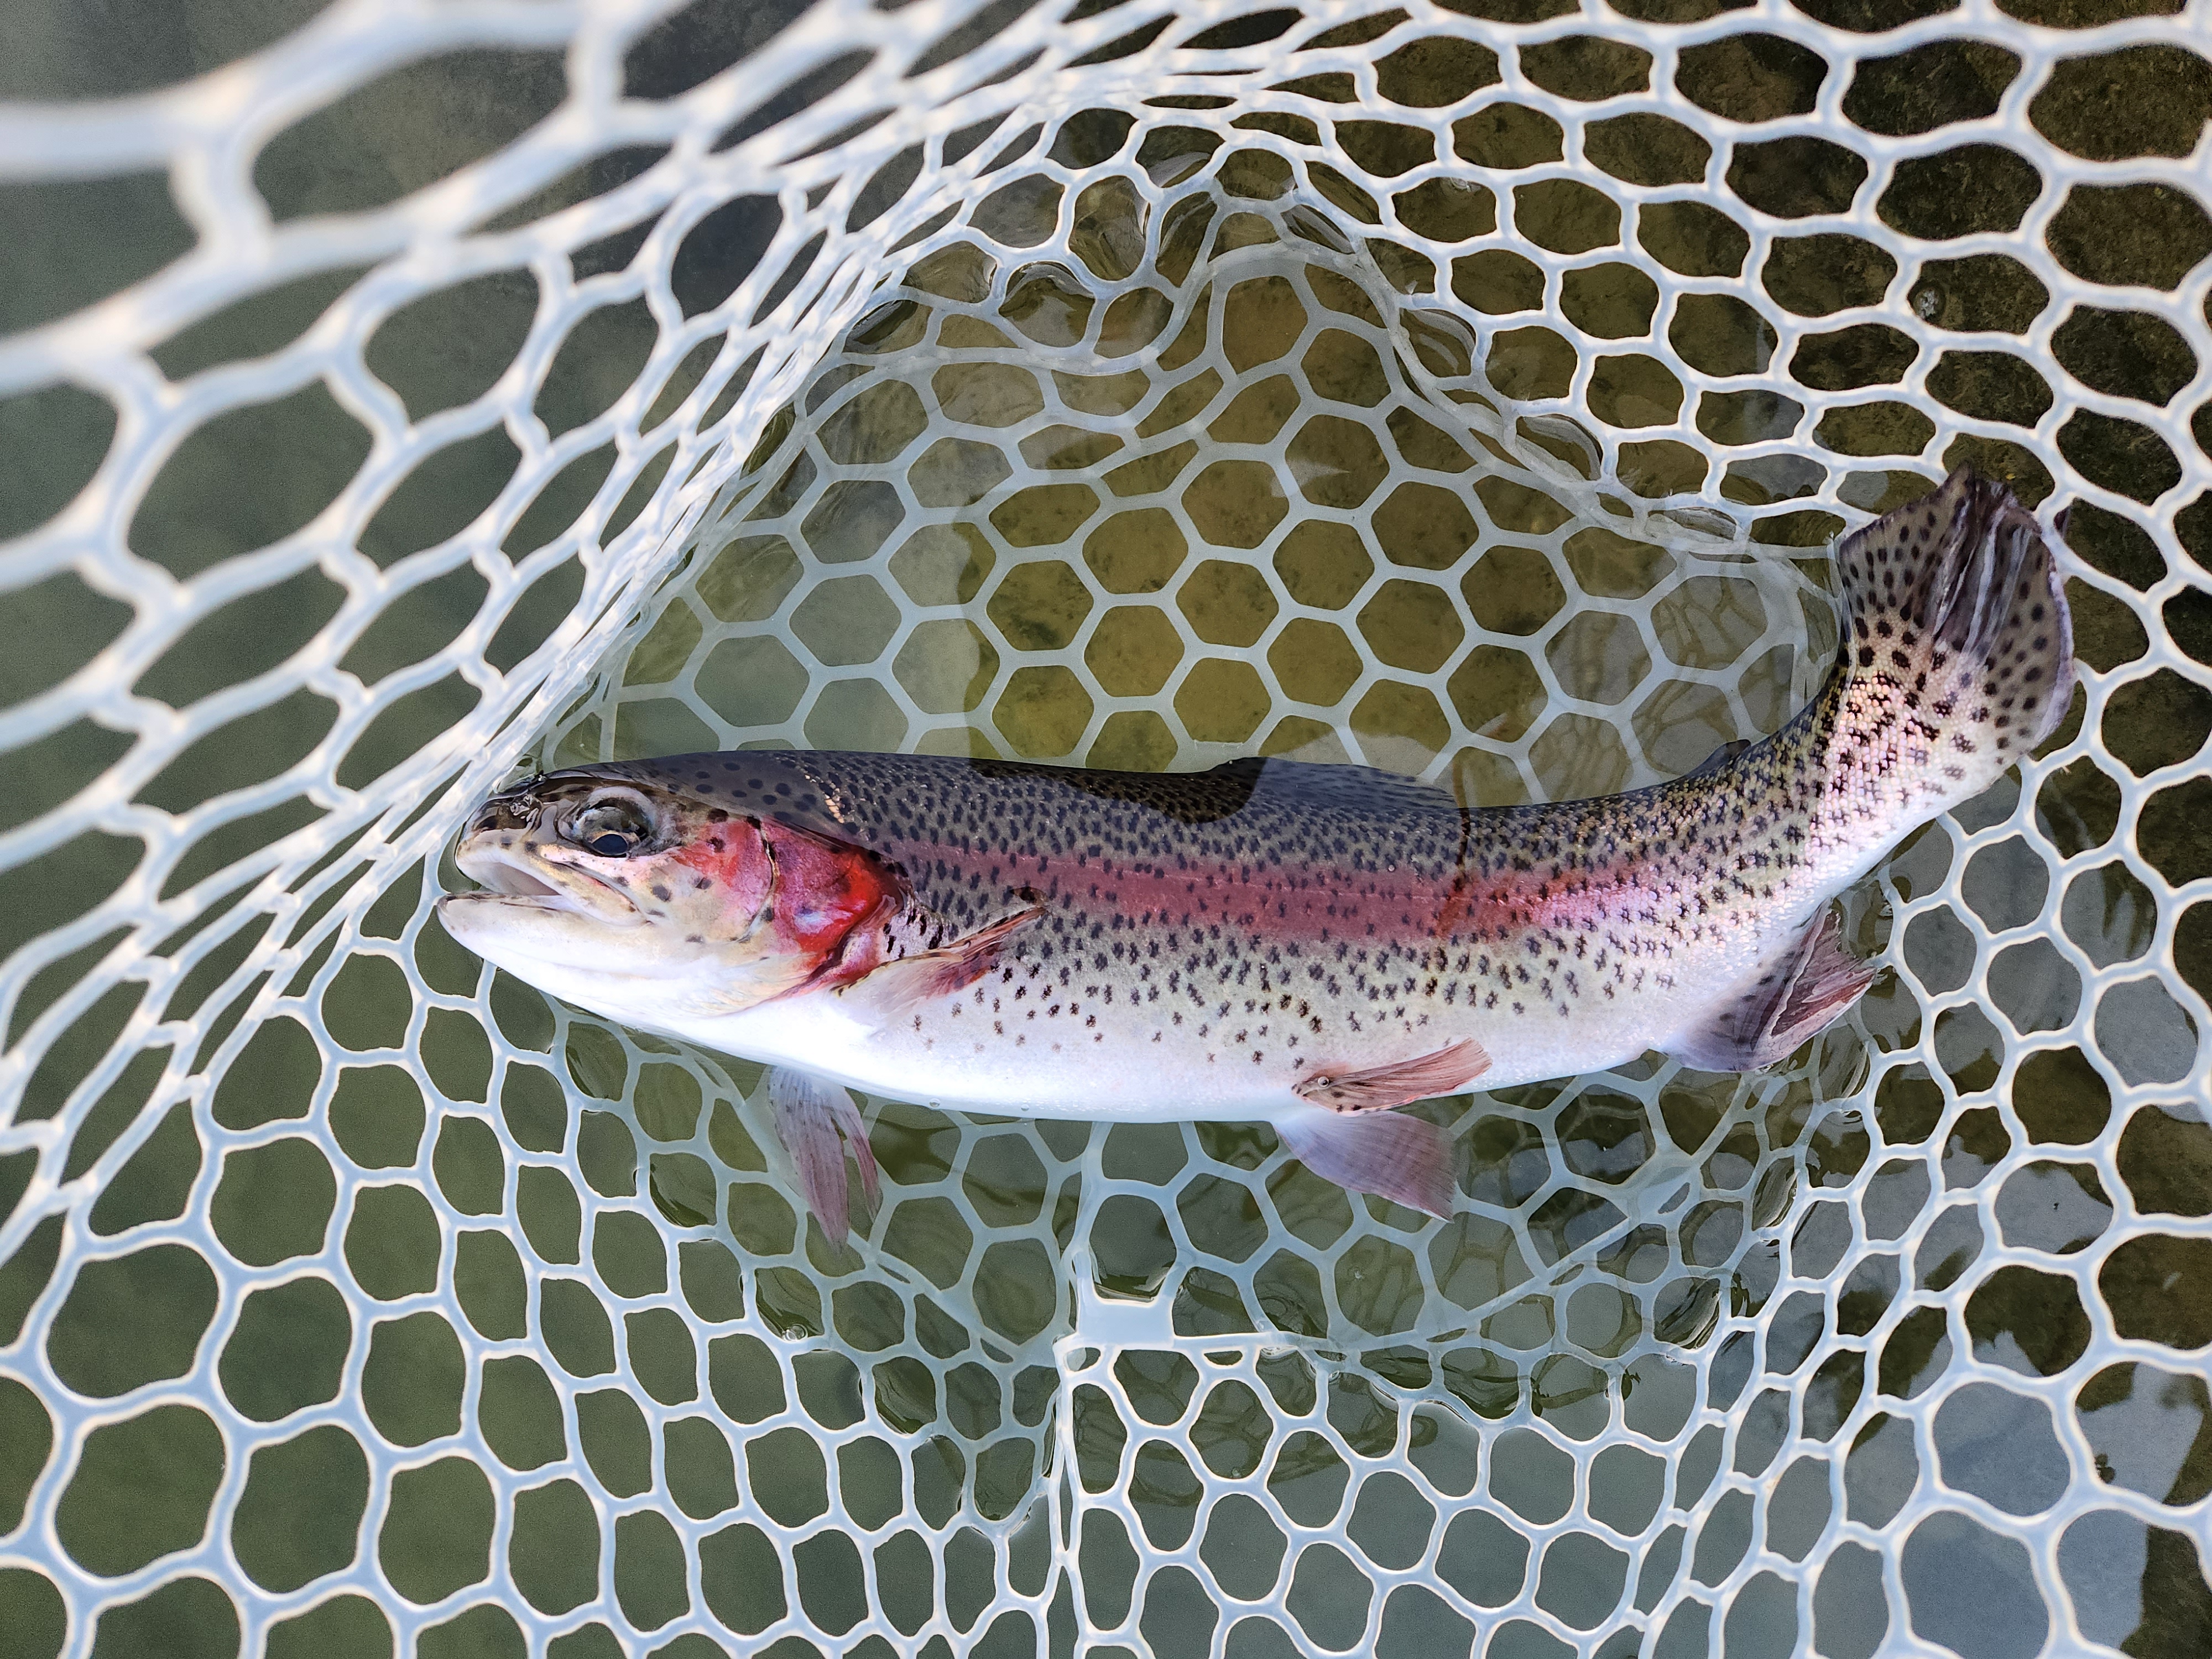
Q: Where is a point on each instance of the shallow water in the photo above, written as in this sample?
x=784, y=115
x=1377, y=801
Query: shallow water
x=1181, y=448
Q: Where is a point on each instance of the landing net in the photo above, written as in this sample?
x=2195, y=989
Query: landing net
x=398, y=395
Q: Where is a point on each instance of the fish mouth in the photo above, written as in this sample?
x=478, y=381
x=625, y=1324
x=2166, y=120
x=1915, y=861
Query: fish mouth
x=512, y=881
x=511, y=877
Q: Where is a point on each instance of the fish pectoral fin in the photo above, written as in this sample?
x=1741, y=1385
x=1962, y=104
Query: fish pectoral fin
x=1447, y=1071
x=1796, y=996
x=929, y=974
x=809, y=1116
x=1405, y=1159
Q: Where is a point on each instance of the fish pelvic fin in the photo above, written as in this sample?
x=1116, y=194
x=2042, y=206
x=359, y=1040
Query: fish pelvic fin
x=1405, y=1159
x=1956, y=648
x=908, y=981
x=1447, y=1071
x=1796, y=996
x=810, y=1116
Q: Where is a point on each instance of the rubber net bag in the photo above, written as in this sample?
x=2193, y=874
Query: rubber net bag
x=394, y=395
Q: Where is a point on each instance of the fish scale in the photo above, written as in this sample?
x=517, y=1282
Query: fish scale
x=1271, y=939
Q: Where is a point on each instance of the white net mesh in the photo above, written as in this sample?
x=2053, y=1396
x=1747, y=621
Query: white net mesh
x=390, y=393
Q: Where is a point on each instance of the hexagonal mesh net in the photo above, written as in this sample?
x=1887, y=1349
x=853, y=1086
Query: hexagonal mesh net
x=391, y=393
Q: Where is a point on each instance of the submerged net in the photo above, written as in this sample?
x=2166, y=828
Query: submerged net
x=394, y=396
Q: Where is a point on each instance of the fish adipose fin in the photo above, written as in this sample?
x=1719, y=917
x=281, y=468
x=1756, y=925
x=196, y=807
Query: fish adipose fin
x=1405, y=1159
x=1445, y=1071
x=1718, y=760
x=1794, y=998
x=809, y=1116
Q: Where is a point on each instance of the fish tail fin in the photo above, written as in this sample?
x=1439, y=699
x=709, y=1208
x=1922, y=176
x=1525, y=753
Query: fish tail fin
x=1956, y=648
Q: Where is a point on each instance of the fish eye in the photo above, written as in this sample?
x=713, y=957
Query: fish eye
x=613, y=828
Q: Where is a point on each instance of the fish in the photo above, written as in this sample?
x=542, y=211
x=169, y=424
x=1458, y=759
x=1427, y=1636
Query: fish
x=1308, y=945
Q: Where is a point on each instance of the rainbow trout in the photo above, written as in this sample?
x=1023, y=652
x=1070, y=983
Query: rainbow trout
x=1310, y=945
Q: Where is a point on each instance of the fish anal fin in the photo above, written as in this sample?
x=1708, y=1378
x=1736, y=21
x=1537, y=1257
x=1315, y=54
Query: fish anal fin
x=810, y=1116
x=925, y=975
x=1829, y=980
x=1797, y=995
x=1447, y=1071
x=1405, y=1159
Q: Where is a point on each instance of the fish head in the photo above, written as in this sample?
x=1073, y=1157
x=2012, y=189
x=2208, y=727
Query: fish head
x=639, y=899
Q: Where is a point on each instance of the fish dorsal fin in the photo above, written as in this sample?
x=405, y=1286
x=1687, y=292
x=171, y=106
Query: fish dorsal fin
x=1798, y=994
x=1360, y=789
x=1222, y=792
x=1191, y=798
